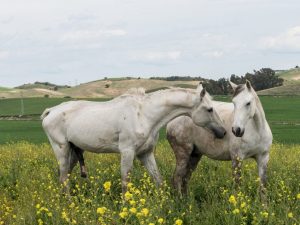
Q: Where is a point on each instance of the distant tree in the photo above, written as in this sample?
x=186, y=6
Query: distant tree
x=260, y=79
x=297, y=67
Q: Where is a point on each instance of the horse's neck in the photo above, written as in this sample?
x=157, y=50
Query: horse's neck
x=259, y=116
x=164, y=106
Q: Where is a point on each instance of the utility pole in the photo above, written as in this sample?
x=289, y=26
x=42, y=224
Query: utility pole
x=22, y=105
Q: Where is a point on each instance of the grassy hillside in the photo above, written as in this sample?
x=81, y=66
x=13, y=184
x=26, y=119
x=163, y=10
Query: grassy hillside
x=117, y=87
x=287, y=89
x=291, y=84
x=27, y=93
x=290, y=75
x=96, y=89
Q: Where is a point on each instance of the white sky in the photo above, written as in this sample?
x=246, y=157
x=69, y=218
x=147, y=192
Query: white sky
x=75, y=41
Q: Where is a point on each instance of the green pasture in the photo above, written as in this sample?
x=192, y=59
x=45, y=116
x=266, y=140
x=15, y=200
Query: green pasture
x=282, y=112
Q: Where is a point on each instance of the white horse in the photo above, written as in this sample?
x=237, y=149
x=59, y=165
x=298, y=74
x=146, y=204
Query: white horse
x=128, y=125
x=251, y=137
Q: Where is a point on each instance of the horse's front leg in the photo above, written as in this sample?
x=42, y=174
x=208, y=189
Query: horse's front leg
x=262, y=163
x=148, y=160
x=127, y=158
x=237, y=169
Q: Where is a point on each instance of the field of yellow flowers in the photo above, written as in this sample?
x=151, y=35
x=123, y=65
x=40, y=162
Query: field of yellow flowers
x=30, y=192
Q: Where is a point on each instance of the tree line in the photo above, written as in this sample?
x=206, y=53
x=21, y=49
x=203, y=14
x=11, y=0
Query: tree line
x=260, y=79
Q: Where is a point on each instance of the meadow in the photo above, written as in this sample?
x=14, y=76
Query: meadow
x=282, y=114
x=31, y=194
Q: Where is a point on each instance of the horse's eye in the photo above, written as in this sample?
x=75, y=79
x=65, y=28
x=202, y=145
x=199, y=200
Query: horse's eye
x=210, y=110
x=248, y=104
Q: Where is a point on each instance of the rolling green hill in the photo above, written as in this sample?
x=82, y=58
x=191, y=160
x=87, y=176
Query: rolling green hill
x=291, y=84
x=290, y=75
x=113, y=87
x=95, y=89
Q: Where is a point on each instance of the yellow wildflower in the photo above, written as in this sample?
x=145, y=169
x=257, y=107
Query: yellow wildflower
x=232, y=200
x=128, y=195
x=145, y=211
x=160, y=220
x=178, y=222
x=236, y=211
x=265, y=214
x=133, y=210
x=151, y=224
x=142, y=201
x=107, y=186
x=40, y=222
x=65, y=216
x=38, y=206
x=101, y=210
x=298, y=196
x=123, y=214
x=290, y=215
x=243, y=204
x=132, y=202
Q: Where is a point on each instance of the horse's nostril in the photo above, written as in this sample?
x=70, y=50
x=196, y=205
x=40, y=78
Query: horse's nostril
x=238, y=131
x=224, y=133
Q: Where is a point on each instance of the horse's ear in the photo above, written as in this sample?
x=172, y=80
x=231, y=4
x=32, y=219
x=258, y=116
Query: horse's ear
x=199, y=87
x=248, y=84
x=233, y=85
x=202, y=93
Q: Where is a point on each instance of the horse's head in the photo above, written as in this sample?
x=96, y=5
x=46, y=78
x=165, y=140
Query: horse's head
x=204, y=114
x=244, y=107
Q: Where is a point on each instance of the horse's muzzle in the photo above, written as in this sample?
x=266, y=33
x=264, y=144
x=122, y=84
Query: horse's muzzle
x=238, y=132
x=219, y=132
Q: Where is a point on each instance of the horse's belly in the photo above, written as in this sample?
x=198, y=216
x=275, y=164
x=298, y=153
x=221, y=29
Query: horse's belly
x=91, y=141
x=218, y=152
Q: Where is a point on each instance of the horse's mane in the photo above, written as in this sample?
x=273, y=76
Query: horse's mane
x=238, y=90
x=132, y=92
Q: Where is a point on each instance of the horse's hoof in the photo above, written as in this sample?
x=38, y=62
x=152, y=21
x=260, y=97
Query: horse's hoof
x=84, y=175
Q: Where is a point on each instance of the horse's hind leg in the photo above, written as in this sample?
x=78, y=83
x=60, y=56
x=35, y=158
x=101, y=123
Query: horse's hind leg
x=182, y=154
x=191, y=166
x=63, y=154
x=79, y=157
x=149, y=162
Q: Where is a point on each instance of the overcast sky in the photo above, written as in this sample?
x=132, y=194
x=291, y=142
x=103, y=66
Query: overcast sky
x=75, y=41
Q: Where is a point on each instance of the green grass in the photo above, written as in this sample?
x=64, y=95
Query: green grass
x=12, y=106
x=282, y=113
x=31, y=105
x=13, y=131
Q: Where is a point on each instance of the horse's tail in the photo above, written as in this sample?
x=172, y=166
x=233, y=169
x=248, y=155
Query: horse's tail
x=45, y=113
